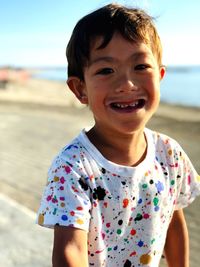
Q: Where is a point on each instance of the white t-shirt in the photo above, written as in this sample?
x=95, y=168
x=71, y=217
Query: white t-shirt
x=125, y=210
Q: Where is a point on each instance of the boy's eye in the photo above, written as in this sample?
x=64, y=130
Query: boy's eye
x=105, y=71
x=142, y=67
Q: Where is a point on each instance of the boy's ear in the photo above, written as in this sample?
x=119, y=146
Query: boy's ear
x=78, y=88
x=162, y=72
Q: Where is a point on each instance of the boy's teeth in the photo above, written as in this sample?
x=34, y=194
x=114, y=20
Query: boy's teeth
x=125, y=105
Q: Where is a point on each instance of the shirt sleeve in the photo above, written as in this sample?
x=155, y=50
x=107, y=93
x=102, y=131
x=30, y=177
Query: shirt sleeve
x=188, y=182
x=66, y=198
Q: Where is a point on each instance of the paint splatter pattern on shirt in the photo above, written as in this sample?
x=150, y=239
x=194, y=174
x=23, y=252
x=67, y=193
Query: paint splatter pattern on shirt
x=126, y=211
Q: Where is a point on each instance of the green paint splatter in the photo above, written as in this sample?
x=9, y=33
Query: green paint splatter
x=144, y=186
x=138, y=217
x=119, y=231
x=155, y=201
x=172, y=182
x=54, y=212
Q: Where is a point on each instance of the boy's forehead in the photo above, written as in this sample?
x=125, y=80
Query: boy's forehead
x=137, y=47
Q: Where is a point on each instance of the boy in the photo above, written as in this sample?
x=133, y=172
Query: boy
x=115, y=194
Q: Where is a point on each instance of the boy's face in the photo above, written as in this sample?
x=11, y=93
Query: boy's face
x=121, y=85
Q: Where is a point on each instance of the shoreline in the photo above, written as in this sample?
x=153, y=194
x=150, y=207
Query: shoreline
x=43, y=93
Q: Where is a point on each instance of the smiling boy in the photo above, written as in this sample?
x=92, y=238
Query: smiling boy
x=115, y=194
x=121, y=87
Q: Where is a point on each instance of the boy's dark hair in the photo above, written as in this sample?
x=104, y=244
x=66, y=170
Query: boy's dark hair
x=133, y=24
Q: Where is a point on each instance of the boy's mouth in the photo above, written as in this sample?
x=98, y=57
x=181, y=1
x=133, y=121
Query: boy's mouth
x=128, y=107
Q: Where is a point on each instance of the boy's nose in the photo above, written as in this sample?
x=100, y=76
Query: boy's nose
x=126, y=85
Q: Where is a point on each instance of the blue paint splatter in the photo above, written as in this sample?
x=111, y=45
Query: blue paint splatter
x=159, y=186
x=64, y=217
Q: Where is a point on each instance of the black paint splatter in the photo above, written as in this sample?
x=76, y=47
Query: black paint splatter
x=83, y=184
x=120, y=222
x=103, y=170
x=127, y=263
x=138, y=217
x=99, y=193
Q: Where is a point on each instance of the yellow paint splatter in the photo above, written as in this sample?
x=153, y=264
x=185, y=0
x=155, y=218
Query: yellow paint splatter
x=41, y=219
x=56, y=179
x=79, y=221
x=198, y=178
x=145, y=259
x=170, y=152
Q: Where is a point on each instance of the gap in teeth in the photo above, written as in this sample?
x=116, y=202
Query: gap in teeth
x=125, y=105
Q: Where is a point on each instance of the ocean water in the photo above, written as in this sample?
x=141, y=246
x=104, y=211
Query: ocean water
x=180, y=85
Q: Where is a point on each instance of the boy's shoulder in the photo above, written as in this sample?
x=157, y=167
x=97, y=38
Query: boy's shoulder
x=161, y=139
x=77, y=150
x=73, y=147
x=165, y=148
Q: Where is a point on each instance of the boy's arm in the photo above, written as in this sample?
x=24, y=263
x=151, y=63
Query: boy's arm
x=177, y=241
x=70, y=247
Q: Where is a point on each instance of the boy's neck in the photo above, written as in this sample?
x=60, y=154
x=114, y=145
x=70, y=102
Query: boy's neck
x=127, y=150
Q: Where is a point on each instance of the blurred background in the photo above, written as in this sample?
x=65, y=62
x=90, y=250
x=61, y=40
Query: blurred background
x=38, y=114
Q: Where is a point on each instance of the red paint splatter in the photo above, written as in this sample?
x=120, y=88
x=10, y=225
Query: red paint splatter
x=99, y=251
x=174, y=165
x=62, y=180
x=54, y=200
x=133, y=232
x=49, y=198
x=74, y=189
x=79, y=208
x=67, y=169
x=189, y=179
x=103, y=236
x=91, y=177
x=133, y=254
x=146, y=216
x=108, y=225
x=105, y=204
x=125, y=202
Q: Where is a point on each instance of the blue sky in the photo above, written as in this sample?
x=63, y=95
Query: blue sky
x=35, y=33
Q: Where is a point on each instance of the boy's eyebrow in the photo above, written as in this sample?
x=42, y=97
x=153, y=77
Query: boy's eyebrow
x=99, y=59
x=140, y=54
x=109, y=59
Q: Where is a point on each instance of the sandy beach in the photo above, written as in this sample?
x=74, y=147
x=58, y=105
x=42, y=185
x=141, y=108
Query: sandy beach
x=38, y=117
